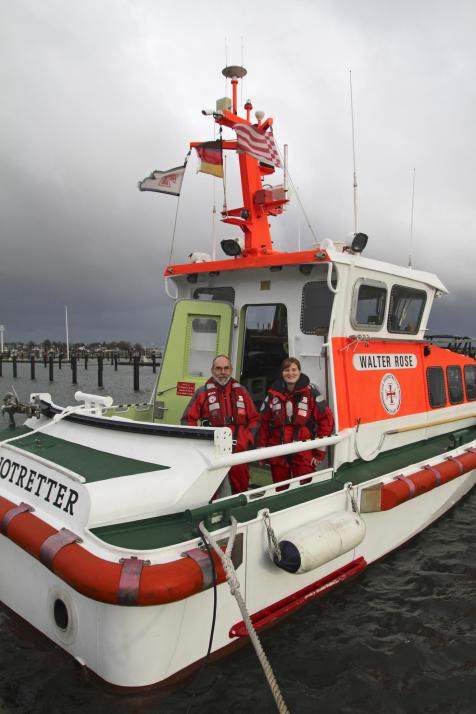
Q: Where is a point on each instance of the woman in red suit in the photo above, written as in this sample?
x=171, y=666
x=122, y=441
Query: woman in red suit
x=293, y=410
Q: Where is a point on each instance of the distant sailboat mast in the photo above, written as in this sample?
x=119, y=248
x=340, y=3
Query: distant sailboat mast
x=67, y=331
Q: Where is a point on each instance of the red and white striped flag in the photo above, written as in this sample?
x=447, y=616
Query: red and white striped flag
x=258, y=145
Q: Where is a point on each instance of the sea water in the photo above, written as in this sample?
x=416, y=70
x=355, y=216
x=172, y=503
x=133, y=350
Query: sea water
x=118, y=384
x=398, y=639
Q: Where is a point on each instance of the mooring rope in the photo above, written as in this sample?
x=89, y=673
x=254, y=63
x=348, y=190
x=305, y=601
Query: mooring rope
x=57, y=417
x=234, y=585
x=66, y=411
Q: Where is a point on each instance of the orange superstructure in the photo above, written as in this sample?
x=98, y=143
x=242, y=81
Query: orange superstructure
x=359, y=370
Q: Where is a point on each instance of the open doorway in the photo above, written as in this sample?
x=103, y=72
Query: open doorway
x=265, y=345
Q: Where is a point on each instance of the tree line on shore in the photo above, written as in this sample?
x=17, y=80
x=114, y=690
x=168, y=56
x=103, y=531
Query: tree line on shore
x=121, y=347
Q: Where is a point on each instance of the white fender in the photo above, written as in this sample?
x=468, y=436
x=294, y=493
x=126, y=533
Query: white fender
x=318, y=542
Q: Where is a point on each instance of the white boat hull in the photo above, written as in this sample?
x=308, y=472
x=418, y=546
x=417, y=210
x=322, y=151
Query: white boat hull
x=142, y=646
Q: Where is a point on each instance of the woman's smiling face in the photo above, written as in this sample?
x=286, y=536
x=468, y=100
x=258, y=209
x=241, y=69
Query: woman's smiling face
x=291, y=373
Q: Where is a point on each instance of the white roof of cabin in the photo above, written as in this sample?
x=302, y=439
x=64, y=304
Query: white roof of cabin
x=388, y=269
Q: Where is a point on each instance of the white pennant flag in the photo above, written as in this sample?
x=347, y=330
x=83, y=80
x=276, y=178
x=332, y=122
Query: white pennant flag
x=164, y=181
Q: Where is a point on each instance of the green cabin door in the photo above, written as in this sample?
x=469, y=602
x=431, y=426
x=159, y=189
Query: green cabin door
x=199, y=331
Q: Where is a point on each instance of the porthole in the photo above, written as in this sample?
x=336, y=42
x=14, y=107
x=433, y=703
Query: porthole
x=63, y=616
x=60, y=614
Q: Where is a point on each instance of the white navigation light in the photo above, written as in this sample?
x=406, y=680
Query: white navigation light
x=326, y=244
x=197, y=257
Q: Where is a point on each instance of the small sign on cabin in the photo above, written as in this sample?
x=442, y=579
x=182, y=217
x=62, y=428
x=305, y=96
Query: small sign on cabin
x=384, y=361
x=185, y=389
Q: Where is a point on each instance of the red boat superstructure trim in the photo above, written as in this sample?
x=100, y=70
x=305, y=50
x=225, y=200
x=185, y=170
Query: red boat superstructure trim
x=266, y=260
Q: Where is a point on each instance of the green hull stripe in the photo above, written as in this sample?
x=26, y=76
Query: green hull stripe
x=389, y=461
x=93, y=464
x=168, y=530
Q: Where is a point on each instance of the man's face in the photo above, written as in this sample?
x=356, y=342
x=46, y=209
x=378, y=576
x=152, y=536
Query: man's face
x=221, y=370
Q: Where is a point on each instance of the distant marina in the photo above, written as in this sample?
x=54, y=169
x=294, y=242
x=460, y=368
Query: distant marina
x=50, y=363
x=118, y=380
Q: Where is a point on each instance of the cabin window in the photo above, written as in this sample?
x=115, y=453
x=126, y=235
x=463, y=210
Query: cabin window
x=406, y=309
x=223, y=294
x=436, y=386
x=203, y=345
x=455, y=384
x=470, y=381
x=265, y=345
x=368, y=305
x=316, y=307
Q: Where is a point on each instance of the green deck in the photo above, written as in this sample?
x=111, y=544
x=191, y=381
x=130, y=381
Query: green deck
x=93, y=464
x=10, y=433
x=166, y=530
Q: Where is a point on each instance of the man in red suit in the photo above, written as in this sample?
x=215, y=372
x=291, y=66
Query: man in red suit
x=222, y=401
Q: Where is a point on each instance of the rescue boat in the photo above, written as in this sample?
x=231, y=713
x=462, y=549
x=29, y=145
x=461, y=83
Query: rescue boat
x=111, y=542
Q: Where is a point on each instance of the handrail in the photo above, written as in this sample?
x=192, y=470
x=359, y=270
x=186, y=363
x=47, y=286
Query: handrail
x=268, y=452
x=166, y=287
x=414, y=427
x=329, y=279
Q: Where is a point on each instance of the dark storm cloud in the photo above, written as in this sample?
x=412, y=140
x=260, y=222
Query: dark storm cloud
x=96, y=95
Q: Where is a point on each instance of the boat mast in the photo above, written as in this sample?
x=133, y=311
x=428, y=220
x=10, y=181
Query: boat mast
x=258, y=204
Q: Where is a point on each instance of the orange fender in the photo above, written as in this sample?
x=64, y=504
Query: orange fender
x=383, y=497
x=98, y=578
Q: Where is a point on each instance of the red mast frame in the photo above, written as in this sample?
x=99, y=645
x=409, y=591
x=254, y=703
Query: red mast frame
x=258, y=204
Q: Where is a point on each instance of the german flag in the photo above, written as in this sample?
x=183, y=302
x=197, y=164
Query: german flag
x=211, y=157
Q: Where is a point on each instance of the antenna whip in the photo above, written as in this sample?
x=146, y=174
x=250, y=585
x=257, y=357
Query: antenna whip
x=353, y=153
x=411, y=222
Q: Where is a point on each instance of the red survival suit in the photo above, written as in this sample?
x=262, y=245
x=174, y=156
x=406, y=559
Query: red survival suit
x=231, y=406
x=294, y=416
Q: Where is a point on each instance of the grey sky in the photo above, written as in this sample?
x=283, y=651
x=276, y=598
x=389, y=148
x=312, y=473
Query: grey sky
x=96, y=94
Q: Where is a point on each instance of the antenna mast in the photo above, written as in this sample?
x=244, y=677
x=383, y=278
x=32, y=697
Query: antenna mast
x=242, y=64
x=353, y=153
x=411, y=222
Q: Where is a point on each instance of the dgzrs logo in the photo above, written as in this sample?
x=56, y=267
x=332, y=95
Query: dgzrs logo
x=390, y=393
